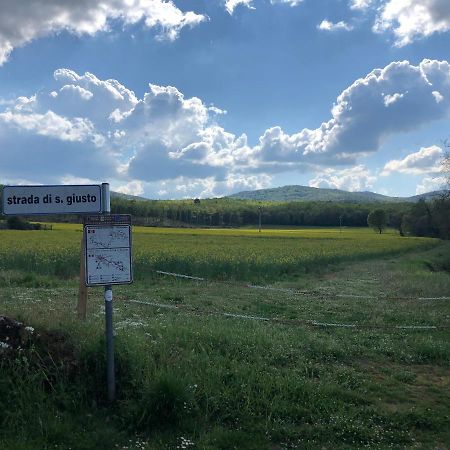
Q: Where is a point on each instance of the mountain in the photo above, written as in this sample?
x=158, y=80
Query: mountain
x=427, y=196
x=306, y=193
x=127, y=196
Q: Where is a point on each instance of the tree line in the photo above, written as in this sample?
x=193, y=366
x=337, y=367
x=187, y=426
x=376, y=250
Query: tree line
x=430, y=219
x=225, y=212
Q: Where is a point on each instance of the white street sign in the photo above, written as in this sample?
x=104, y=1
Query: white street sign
x=75, y=199
x=108, y=254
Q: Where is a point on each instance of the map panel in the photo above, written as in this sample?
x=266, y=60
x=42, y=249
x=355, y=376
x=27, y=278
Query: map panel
x=108, y=254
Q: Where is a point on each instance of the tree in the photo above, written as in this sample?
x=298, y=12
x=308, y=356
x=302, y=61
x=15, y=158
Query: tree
x=441, y=216
x=377, y=219
x=446, y=170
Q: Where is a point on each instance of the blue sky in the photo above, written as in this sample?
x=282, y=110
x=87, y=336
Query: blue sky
x=210, y=97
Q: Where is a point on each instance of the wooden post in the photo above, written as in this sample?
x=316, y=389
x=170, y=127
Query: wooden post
x=82, y=290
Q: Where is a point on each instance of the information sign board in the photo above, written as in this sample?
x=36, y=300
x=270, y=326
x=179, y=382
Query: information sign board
x=63, y=199
x=108, y=253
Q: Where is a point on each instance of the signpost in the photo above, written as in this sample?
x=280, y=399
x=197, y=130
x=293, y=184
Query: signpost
x=108, y=261
x=106, y=242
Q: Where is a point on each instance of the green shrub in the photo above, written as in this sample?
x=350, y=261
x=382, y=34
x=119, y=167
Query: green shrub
x=17, y=223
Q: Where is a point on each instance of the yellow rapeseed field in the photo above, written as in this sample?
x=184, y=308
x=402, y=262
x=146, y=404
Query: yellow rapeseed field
x=244, y=254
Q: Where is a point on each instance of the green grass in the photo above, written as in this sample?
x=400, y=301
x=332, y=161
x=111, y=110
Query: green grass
x=191, y=375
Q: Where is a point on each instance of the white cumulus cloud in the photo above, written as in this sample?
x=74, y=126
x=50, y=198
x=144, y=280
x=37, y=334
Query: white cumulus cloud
x=438, y=96
x=395, y=99
x=211, y=187
x=134, y=187
x=360, y=4
x=412, y=19
x=23, y=21
x=231, y=5
x=357, y=178
x=52, y=125
x=326, y=25
x=427, y=160
x=391, y=99
x=160, y=136
x=288, y=2
x=85, y=127
x=429, y=184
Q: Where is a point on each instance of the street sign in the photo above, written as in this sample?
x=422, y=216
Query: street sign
x=108, y=250
x=64, y=199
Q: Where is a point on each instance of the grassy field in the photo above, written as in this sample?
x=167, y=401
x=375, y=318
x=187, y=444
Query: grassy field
x=199, y=368
x=221, y=254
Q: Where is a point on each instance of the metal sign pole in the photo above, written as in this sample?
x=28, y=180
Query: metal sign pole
x=110, y=375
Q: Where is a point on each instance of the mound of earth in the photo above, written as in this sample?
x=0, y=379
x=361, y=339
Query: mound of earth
x=49, y=349
x=14, y=335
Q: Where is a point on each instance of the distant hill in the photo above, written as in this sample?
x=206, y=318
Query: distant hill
x=306, y=193
x=303, y=193
x=427, y=196
x=126, y=196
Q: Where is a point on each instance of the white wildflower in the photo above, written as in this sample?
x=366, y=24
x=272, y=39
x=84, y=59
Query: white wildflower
x=185, y=443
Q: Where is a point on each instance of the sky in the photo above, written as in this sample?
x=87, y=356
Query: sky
x=205, y=98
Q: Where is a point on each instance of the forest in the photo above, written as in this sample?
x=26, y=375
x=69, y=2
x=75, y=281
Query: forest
x=424, y=218
x=225, y=212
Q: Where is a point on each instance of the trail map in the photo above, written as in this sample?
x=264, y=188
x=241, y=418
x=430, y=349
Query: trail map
x=108, y=254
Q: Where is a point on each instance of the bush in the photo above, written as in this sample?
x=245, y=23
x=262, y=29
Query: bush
x=16, y=223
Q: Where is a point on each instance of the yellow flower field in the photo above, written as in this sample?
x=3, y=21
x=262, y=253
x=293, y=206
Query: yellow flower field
x=243, y=254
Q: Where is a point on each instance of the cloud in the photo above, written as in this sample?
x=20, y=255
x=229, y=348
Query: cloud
x=210, y=187
x=161, y=136
x=360, y=4
x=69, y=179
x=85, y=127
x=438, y=96
x=429, y=184
x=326, y=25
x=398, y=98
x=391, y=99
x=21, y=22
x=287, y=2
x=413, y=19
x=65, y=131
x=231, y=5
x=174, y=136
x=356, y=178
x=132, y=188
x=52, y=125
x=242, y=182
x=49, y=158
x=427, y=160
